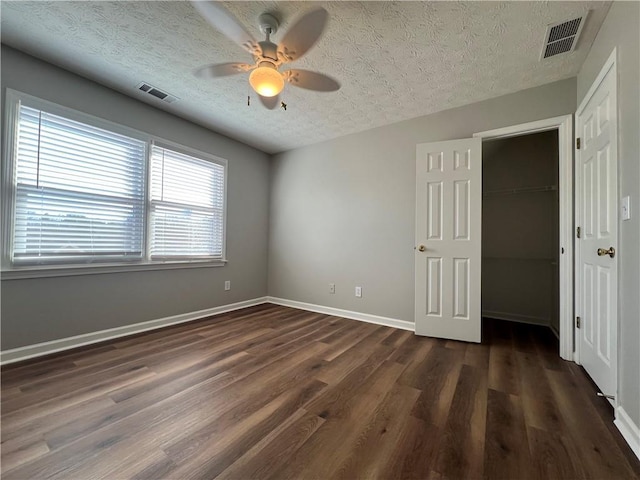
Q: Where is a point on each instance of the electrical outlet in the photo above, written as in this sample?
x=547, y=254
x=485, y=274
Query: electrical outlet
x=332, y=288
x=227, y=285
x=358, y=292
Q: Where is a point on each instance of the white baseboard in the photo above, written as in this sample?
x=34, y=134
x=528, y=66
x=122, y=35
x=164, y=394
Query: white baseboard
x=516, y=317
x=629, y=430
x=363, y=317
x=46, y=348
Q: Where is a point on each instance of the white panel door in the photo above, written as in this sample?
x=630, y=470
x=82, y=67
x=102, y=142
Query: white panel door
x=448, y=239
x=597, y=218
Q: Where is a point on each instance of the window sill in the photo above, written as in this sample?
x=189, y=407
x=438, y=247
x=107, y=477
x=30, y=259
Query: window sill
x=70, y=271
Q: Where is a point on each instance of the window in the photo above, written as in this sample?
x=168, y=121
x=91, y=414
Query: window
x=77, y=193
x=187, y=198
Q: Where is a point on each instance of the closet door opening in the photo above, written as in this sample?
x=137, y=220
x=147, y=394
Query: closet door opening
x=521, y=238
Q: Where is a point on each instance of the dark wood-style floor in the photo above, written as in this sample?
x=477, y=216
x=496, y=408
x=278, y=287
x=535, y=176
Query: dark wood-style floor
x=274, y=392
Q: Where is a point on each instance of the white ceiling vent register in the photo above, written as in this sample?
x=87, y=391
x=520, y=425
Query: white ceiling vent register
x=562, y=37
x=156, y=92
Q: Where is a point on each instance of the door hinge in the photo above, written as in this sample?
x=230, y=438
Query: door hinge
x=578, y=143
x=578, y=322
x=578, y=231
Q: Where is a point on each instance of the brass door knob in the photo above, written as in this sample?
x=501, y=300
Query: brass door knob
x=422, y=248
x=603, y=251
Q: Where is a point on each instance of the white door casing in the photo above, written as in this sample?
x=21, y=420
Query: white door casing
x=564, y=126
x=448, y=226
x=597, y=217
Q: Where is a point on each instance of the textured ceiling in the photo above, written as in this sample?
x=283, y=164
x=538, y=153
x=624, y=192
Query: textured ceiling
x=395, y=60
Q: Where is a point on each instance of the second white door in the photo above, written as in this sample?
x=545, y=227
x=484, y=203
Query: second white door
x=597, y=217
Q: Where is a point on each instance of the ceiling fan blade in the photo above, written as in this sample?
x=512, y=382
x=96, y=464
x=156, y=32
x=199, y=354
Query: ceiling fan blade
x=270, y=102
x=303, y=34
x=311, y=80
x=223, y=21
x=222, y=70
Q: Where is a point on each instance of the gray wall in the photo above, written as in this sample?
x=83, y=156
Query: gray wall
x=620, y=29
x=343, y=211
x=44, y=309
x=520, y=230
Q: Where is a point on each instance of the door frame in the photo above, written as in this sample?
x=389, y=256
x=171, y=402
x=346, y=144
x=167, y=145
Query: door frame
x=564, y=125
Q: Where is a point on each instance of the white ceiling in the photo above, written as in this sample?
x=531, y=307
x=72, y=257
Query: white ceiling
x=395, y=61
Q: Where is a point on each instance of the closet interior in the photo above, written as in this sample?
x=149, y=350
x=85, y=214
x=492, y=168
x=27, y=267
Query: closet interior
x=520, y=235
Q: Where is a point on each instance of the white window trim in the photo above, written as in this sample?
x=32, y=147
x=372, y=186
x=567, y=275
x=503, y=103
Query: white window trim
x=13, y=99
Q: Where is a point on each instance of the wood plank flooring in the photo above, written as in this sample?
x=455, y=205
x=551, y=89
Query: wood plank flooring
x=272, y=392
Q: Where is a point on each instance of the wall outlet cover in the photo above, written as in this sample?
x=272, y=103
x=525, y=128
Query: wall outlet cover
x=625, y=208
x=227, y=285
x=358, y=292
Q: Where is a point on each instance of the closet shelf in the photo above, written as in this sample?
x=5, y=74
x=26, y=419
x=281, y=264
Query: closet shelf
x=516, y=191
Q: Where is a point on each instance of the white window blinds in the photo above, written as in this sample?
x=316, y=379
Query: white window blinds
x=187, y=206
x=79, y=192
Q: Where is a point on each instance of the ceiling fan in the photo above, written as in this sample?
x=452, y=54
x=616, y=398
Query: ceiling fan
x=266, y=78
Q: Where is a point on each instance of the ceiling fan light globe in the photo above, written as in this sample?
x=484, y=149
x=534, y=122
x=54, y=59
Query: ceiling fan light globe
x=266, y=80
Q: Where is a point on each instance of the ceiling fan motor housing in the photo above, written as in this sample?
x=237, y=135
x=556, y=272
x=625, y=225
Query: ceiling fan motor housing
x=269, y=50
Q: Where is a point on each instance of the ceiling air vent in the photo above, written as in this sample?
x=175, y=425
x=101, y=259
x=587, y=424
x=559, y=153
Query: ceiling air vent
x=156, y=92
x=562, y=37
